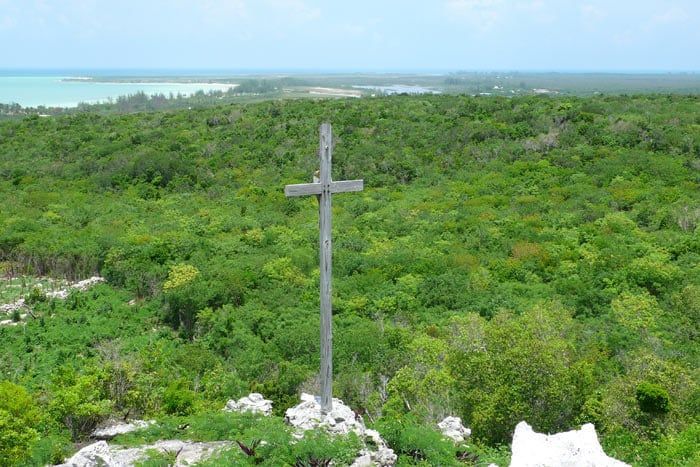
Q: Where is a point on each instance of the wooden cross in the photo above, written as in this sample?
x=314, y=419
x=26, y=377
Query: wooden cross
x=323, y=187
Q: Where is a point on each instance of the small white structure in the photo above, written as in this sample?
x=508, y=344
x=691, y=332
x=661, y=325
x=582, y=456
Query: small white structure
x=253, y=402
x=452, y=428
x=576, y=448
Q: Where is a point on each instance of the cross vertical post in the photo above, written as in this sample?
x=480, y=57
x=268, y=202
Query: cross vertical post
x=325, y=254
x=323, y=188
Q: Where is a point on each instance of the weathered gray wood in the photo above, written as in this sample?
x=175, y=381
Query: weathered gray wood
x=302, y=189
x=326, y=152
x=346, y=186
x=323, y=187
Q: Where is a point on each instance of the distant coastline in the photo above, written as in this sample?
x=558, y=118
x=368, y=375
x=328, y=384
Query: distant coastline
x=70, y=90
x=96, y=87
x=165, y=80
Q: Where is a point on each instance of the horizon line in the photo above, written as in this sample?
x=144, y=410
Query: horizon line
x=301, y=70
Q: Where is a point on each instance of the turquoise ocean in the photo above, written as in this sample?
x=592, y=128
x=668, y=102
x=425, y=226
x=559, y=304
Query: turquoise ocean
x=64, y=90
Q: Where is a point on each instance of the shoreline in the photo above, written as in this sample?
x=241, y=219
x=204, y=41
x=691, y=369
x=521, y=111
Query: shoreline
x=150, y=83
x=87, y=90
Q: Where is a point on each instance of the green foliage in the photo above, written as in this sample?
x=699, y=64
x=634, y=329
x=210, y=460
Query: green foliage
x=416, y=444
x=652, y=398
x=155, y=458
x=318, y=446
x=681, y=449
x=51, y=449
x=178, y=399
x=522, y=258
x=36, y=295
x=518, y=368
x=19, y=417
x=78, y=402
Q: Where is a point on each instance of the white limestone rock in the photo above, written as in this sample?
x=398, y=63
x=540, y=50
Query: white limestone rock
x=576, y=448
x=307, y=416
x=254, y=403
x=452, y=428
x=92, y=455
x=380, y=453
x=10, y=308
x=110, y=431
x=87, y=283
x=384, y=457
x=186, y=453
x=340, y=421
x=81, y=286
x=61, y=294
x=363, y=460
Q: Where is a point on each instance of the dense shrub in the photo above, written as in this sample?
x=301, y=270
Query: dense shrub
x=652, y=398
x=19, y=420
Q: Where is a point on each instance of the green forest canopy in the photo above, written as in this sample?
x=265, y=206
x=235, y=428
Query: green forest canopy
x=531, y=258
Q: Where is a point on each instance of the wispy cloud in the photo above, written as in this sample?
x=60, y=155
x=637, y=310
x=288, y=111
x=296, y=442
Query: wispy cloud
x=674, y=14
x=297, y=10
x=538, y=10
x=228, y=8
x=7, y=22
x=482, y=14
x=591, y=12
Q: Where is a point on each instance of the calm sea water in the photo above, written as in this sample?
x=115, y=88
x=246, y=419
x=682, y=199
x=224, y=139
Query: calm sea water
x=55, y=91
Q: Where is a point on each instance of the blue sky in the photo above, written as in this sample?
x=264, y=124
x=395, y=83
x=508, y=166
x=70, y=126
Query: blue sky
x=612, y=35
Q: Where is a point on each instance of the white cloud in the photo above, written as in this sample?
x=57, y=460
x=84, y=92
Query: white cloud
x=7, y=22
x=297, y=10
x=538, y=10
x=353, y=29
x=482, y=14
x=592, y=13
x=672, y=15
x=625, y=38
x=225, y=8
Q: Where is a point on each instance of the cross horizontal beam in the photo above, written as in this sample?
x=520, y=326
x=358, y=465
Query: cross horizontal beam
x=304, y=189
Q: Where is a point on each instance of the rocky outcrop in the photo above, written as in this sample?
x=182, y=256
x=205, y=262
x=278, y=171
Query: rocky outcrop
x=576, y=448
x=60, y=294
x=10, y=308
x=186, y=453
x=308, y=416
x=376, y=452
x=92, y=455
x=114, y=429
x=305, y=416
x=79, y=286
x=341, y=420
x=452, y=428
x=254, y=403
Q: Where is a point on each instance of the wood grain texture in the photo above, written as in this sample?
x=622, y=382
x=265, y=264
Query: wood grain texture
x=302, y=189
x=346, y=186
x=325, y=247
